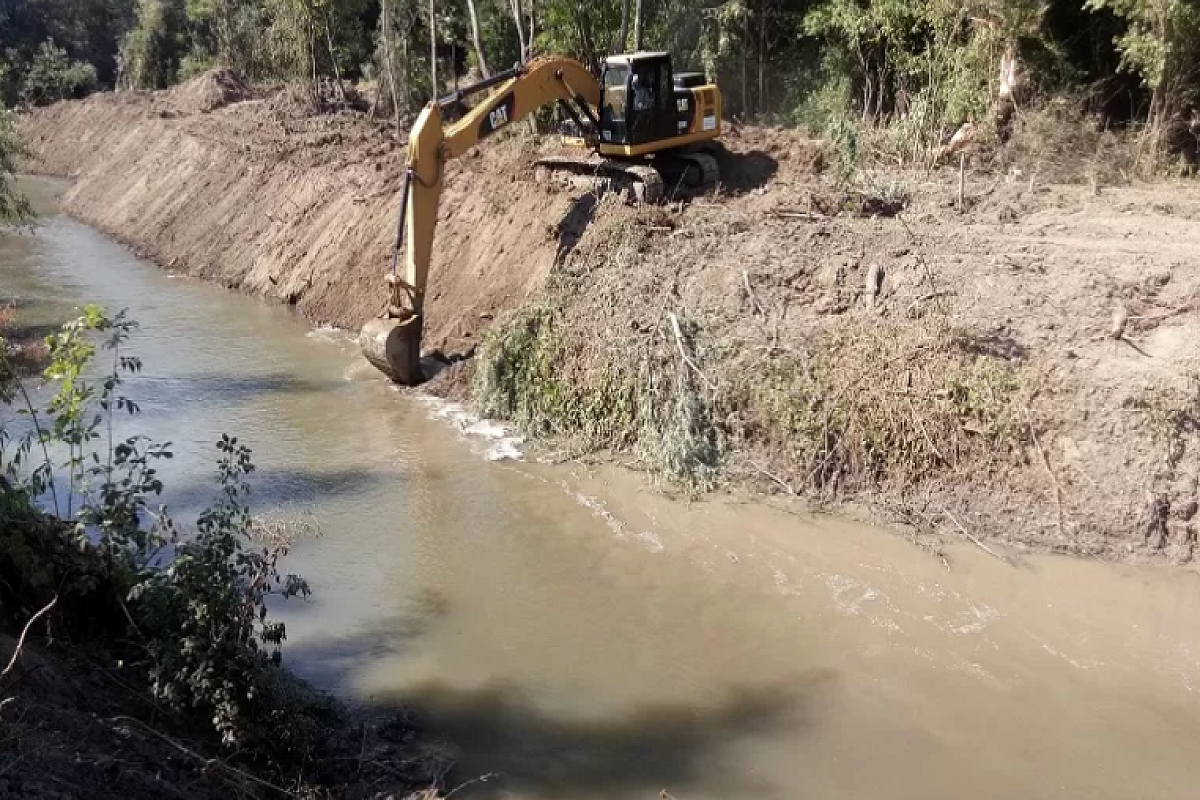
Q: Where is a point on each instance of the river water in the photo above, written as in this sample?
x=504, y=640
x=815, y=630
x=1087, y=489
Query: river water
x=586, y=637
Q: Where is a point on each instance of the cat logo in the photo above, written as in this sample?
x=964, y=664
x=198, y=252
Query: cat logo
x=500, y=115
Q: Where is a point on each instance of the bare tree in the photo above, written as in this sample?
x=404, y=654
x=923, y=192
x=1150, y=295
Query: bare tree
x=386, y=19
x=483, y=67
x=623, y=36
x=519, y=19
x=638, y=20
x=433, y=76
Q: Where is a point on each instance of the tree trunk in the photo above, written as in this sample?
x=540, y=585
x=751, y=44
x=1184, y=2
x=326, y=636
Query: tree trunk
x=638, y=23
x=386, y=20
x=433, y=76
x=532, y=27
x=745, y=58
x=519, y=19
x=762, y=56
x=533, y=120
x=623, y=35
x=337, y=73
x=483, y=67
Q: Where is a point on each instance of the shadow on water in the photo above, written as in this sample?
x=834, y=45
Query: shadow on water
x=652, y=746
x=333, y=662
x=276, y=487
x=221, y=389
x=635, y=751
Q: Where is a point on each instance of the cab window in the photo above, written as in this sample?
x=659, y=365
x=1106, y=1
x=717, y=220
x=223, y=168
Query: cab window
x=615, y=81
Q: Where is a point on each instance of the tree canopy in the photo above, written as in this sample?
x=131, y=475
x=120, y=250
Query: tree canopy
x=934, y=64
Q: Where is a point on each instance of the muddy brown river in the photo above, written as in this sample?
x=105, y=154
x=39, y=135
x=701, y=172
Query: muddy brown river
x=584, y=637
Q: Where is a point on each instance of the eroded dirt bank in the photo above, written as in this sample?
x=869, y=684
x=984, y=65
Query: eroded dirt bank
x=263, y=197
x=951, y=369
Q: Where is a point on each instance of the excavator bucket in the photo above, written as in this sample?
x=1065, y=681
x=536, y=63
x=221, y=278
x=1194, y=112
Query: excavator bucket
x=393, y=346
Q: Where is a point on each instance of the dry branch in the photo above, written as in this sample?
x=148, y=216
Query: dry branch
x=221, y=766
x=787, y=487
x=683, y=350
x=973, y=539
x=1058, y=492
x=25, y=632
x=750, y=294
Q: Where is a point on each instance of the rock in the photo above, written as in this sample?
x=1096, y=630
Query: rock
x=873, y=285
x=832, y=274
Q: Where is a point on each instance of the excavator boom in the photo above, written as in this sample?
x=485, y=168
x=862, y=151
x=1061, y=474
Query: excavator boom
x=392, y=342
x=445, y=130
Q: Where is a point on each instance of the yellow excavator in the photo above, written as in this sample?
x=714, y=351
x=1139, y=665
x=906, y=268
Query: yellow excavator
x=648, y=129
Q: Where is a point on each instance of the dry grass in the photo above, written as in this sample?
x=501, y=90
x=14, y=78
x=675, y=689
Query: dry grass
x=878, y=404
x=19, y=356
x=1056, y=143
x=274, y=529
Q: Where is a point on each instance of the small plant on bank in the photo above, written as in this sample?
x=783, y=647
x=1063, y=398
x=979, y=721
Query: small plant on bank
x=76, y=522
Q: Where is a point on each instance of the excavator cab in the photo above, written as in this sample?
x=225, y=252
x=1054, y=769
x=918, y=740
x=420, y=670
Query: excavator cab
x=639, y=105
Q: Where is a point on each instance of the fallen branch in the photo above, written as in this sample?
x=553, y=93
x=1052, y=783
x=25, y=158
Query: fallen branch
x=208, y=762
x=973, y=539
x=683, y=350
x=1058, y=492
x=12, y=662
x=1116, y=331
x=808, y=216
x=925, y=433
x=1174, y=312
x=750, y=294
x=787, y=487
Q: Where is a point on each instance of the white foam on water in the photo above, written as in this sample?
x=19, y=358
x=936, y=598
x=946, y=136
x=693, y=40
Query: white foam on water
x=504, y=443
x=619, y=528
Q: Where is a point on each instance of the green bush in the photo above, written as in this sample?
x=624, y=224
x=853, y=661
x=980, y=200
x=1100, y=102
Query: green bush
x=97, y=547
x=52, y=76
x=13, y=206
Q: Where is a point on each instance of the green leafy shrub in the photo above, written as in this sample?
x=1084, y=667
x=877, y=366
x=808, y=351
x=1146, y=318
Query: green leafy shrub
x=52, y=76
x=78, y=524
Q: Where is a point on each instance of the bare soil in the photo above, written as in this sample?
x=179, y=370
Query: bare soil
x=77, y=723
x=264, y=197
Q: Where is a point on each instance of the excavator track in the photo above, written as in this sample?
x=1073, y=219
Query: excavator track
x=641, y=183
x=693, y=173
x=708, y=168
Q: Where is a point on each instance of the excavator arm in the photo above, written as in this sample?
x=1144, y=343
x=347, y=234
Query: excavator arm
x=392, y=342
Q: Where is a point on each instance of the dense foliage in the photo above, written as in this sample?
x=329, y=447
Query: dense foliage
x=13, y=207
x=878, y=61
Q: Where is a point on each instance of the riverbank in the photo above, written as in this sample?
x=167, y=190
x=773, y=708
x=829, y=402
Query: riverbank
x=1015, y=370
x=80, y=723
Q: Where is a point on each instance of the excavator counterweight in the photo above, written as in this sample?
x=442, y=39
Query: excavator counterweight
x=647, y=128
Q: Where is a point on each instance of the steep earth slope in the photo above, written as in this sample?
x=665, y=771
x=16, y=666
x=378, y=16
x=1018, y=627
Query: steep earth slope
x=257, y=194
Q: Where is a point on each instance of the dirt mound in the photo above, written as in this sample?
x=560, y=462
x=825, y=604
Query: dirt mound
x=207, y=92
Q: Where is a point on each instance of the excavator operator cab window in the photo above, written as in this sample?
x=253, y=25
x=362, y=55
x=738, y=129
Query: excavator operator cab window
x=616, y=97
